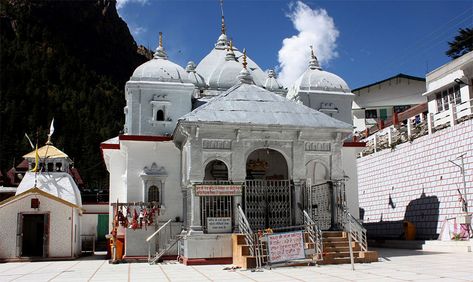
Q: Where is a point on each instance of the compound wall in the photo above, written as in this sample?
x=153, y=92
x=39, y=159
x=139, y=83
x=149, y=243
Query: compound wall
x=416, y=182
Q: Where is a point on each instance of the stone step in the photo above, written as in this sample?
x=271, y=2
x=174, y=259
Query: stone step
x=335, y=239
x=344, y=254
x=327, y=234
x=448, y=246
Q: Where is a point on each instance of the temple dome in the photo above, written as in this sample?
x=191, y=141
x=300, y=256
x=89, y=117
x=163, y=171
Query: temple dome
x=216, y=58
x=160, y=69
x=314, y=79
x=194, y=77
x=271, y=83
x=226, y=74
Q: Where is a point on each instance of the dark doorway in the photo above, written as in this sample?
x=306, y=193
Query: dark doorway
x=33, y=235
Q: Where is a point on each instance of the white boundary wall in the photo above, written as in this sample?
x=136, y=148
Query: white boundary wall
x=418, y=175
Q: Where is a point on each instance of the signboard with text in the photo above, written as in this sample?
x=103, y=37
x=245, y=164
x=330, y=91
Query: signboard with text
x=217, y=190
x=219, y=225
x=285, y=246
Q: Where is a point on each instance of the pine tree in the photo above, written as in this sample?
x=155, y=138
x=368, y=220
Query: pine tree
x=462, y=43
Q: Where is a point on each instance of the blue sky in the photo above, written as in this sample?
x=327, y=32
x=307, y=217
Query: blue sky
x=361, y=41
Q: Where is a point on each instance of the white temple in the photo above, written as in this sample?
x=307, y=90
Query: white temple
x=202, y=142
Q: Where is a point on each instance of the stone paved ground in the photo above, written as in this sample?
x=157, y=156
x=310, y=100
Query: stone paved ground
x=394, y=265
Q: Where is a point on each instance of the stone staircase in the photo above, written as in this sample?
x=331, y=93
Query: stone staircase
x=336, y=250
x=242, y=255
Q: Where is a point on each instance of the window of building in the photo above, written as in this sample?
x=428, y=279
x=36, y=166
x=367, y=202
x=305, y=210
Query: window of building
x=457, y=95
x=371, y=114
x=153, y=194
x=160, y=115
x=400, y=109
x=447, y=96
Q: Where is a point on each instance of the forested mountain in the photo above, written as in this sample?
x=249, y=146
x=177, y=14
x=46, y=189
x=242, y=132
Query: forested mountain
x=68, y=60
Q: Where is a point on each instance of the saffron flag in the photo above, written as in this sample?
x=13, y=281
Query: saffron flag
x=36, y=160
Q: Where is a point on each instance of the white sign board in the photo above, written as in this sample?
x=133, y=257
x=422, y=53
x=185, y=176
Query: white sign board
x=219, y=225
x=218, y=190
x=286, y=246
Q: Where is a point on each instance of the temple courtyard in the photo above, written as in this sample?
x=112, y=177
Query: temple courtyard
x=394, y=265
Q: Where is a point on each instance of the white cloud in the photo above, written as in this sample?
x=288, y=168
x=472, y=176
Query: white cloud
x=137, y=30
x=315, y=27
x=122, y=3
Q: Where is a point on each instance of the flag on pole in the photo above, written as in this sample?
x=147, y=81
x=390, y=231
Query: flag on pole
x=51, y=128
x=36, y=160
x=51, y=131
x=29, y=140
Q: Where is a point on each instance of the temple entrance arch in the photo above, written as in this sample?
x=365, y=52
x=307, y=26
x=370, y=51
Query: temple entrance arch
x=215, y=208
x=318, y=194
x=216, y=170
x=266, y=164
x=268, y=190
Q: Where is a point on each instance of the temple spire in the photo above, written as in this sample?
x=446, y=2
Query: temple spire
x=230, y=56
x=244, y=59
x=313, y=63
x=223, y=18
x=245, y=76
x=160, y=53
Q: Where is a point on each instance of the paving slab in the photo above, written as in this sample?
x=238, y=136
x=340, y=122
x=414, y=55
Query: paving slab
x=394, y=265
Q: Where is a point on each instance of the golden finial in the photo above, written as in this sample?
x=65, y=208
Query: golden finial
x=160, y=39
x=223, y=17
x=244, y=58
x=231, y=45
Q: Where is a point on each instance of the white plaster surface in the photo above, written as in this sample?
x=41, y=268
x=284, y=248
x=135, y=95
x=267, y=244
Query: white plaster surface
x=61, y=237
x=59, y=184
x=208, y=246
x=394, y=265
x=417, y=172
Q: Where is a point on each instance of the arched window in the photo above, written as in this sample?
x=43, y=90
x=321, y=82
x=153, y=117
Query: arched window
x=153, y=194
x=160, y=115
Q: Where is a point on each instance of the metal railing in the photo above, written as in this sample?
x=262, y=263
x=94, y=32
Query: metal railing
x=256, y=246
x=148, y=240
x=355, y=230
x=245, y=229
x=315, y=235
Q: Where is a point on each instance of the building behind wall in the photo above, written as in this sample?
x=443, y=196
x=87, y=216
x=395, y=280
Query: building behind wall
x=380, y=100
x=415, y=180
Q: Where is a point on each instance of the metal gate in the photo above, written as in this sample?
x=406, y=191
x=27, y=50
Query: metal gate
x=268, y=203
x=317, y=201
x=215, y=206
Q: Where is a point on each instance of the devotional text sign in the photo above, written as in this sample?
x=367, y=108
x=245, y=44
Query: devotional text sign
x=285, y=246
x=217, y=190
x=219, y=225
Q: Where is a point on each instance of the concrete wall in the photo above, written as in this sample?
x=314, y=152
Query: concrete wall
x=351, y=185
x=143, y=100
x=415, y=181
x=64, y=227
x=164, y=154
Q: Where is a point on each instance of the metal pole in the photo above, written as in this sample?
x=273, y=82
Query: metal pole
x=350, y=248
x=462, y=170
x=464, y=183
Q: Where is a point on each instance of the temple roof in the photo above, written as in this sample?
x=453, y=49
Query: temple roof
x=247, y=103
x=47, y=151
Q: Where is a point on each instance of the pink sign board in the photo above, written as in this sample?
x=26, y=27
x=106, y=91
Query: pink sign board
x=286, y=246
x=218, y=190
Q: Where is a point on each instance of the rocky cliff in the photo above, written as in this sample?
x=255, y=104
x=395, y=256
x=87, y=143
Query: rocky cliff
x=68, y=60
